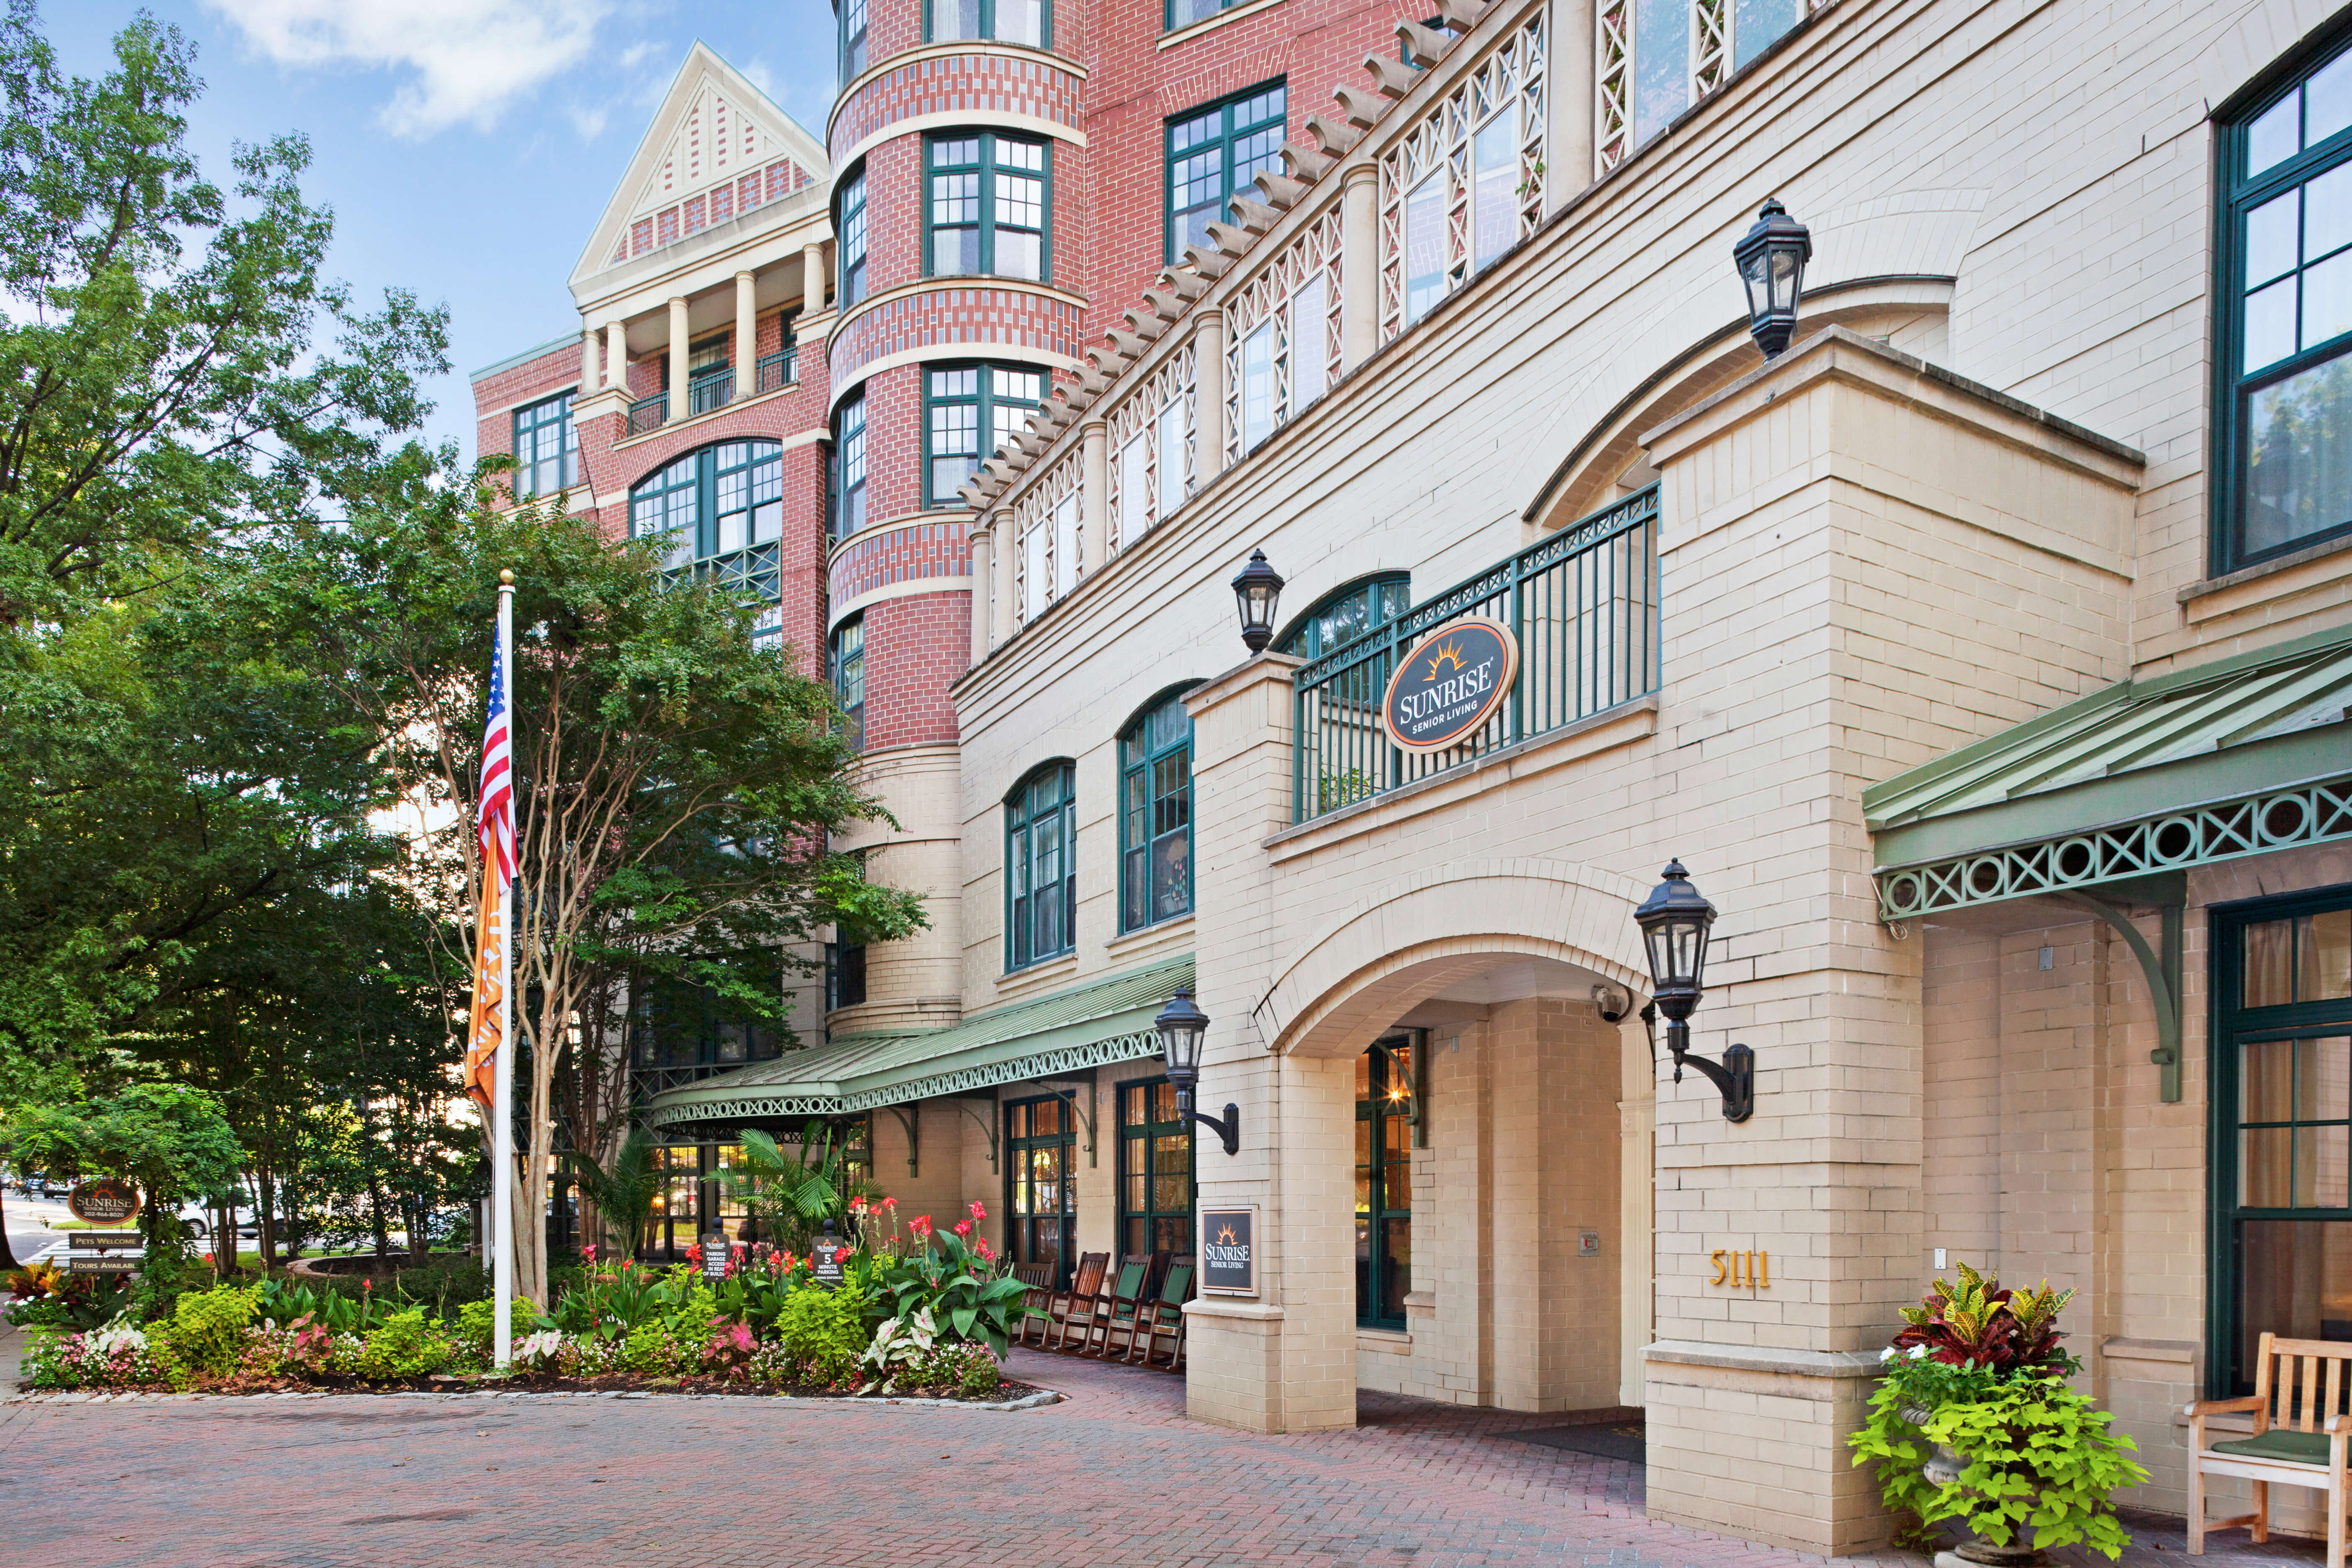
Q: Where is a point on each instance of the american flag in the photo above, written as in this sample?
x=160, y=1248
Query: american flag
x=494, y=820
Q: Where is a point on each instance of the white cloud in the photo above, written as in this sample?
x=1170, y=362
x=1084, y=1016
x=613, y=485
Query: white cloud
x=461, y=59
x=589, y=122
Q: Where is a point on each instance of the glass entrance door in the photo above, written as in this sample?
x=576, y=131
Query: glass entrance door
x=1042, y=1199
x=1384, y=1112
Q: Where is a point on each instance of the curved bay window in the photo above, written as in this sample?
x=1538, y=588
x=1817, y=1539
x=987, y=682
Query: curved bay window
x=2285, y=288
x=1346, y=615
x=1041, y=1199
x=853, y=37
x=989, y=212
x=718, y=512
x=849, y=223
x=1385, y=1109
x=960, y=403
x=1155, y=816
x=2282, y=1160
x=849, y=679
x=1041, y=874
x=1155, y=1171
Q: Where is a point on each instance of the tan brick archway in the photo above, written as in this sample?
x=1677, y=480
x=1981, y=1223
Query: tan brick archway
x=1415, y=937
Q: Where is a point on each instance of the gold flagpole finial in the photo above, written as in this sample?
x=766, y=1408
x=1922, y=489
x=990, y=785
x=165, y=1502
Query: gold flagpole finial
x=507, y=578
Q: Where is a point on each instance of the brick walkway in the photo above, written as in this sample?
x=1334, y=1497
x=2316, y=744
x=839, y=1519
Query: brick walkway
x=1115, y=1475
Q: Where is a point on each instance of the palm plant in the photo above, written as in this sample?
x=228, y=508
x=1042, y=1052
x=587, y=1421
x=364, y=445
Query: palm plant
x=794, y=1195
x=625, y=1195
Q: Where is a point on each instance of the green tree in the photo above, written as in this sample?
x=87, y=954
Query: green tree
x=171, y=1140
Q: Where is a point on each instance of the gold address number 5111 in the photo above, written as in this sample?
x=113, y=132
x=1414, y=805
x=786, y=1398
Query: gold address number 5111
x=1741, y=1270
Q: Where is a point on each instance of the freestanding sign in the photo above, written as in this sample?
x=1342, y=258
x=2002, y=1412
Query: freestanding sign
x=1229, y=1251
x=715, y=1255
x=108, y=1202
x=1450, y=684
x=103, y=1252
x=827, y=1257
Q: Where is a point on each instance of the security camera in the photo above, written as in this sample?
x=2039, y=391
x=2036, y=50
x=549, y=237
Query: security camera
x=1613, y=1004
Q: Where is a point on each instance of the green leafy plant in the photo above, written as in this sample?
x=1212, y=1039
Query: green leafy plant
x=793, y=1194
x=625, y=1195
x=1977, y=1324
x=962, y=1286
x=205, y=1335
x=823, y=1333
x=900, y=1346
x=403, y=1347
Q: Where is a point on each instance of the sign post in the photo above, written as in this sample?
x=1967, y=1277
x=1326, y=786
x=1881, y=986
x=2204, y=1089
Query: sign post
x=1445, y=689
x=1229, y=1251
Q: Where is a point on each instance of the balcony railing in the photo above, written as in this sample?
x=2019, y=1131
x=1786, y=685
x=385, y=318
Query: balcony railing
x=776, y=369
x=649, y=414
x=709, y=393
x=1584, y=606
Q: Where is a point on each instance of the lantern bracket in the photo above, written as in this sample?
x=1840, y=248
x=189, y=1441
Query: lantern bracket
x=1734, y=1076
x=1227, y=1127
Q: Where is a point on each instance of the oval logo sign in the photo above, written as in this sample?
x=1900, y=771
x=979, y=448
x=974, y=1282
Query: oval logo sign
x=108, y=1202
x=1450, y=684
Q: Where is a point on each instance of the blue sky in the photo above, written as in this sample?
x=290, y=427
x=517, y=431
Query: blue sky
x=465, y=146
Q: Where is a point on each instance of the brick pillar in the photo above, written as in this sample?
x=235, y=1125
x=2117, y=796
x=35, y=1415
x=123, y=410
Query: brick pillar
x=1360, y=266
x=677, y=359
x=747, y=338
x=1285, y=1361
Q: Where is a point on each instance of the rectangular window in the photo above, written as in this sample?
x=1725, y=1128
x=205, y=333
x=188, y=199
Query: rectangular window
x=850, y=442
x=1424, y=247
x=1155, y=1171
x=851, y=227
x=2281, y=1206
x=1027, y=21
x=1066, y=544
x=1257, y=385
x=1156, y=817
x=1033, y=547
x=958, y=405
x=1171, y=457
x=2286, y=353
x=987, y=210
x=853, y=39
x=849, y=680
x=845, y=975
x=1185, y=13
x=1214, y=153
x=1385, y=1109
x=1040, y=868
x=1494, y=191
x=1310, y=342
x=1134, y=489
x=1657, y=58
x=546, y=449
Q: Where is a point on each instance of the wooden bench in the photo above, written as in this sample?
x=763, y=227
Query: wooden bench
x=2299, y=1440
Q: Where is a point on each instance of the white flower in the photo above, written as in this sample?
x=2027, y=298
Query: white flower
x=1918, y=1353
x=1889, y=1354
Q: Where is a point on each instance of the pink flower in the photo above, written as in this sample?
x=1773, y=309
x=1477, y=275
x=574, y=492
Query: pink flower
x=920, y=1225
x=889, y=1203
x=977, y=1211
x=964, y=1227
x=987, y=1253
x=588, y=1253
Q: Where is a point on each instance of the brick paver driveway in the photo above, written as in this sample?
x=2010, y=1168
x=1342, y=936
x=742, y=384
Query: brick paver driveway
x=1115, y=1475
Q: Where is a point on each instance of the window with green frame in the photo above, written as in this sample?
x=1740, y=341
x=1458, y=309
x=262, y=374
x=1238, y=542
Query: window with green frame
x=1178, y=13
x=849, y=468
x=849, y=677
x=960, y=402
x=853, y=39
x=1027, y=22
x=1041, y=1201
x=720, y=510
x=1155, y=1170
x=1347, y=613
x=2281, y=1162
x=1213, y=152
x=1385, y=1117
x=546, y=449
x=1155, y=816
x=2284, y=283
x=849, y=223
x=1041, y=873
x=989, y=213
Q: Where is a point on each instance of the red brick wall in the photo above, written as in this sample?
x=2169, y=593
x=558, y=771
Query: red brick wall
x=915, y=648
x=496, y=397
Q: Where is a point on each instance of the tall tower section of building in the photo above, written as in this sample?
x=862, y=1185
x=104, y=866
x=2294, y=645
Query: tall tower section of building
x=1008, y=177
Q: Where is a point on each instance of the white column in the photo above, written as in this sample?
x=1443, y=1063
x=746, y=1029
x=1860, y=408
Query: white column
x=1008, y=551
x=1360, y=266
x=587, y=360
x=1094, y=510
x=676, y=358
x=617, y=354
x=1209, y=397
x=812, y=277
x=984, y=582
x=747, y=339
x=1569, y=125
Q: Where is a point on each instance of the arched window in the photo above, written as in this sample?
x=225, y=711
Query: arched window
x=2285, y=288
x=1155, y=816
x=849, y=677
x=1347, y=614
x=718, y=512
x=1041, y=876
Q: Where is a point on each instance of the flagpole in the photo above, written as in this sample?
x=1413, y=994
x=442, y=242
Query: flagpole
x=502, y=1095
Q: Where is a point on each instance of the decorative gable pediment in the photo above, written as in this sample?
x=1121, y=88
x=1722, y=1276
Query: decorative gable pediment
x=718, y=148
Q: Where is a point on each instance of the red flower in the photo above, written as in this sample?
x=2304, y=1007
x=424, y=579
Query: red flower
x=964, y=1227
x=978, y=1212
x=889, y=1203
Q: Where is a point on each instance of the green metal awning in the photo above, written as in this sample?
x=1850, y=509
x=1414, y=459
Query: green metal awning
x=1085, y=1026
x=2242, y=756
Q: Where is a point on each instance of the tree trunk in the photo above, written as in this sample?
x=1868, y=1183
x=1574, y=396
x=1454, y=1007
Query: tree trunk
x=265, y=1211
x=7, y=1253
x=375, y=1213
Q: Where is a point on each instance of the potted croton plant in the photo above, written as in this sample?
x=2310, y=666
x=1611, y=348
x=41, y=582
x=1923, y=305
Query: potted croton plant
x=1974, y=1420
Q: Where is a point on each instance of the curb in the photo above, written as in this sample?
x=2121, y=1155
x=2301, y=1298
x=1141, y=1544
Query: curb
x=1044, y=1396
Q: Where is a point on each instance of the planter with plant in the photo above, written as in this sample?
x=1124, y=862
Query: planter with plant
x=1974, y=1421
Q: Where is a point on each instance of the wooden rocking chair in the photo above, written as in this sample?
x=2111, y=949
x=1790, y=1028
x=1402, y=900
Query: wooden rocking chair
x=1066, y=1309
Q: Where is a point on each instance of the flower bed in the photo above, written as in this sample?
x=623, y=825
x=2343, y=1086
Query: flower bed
x=915, y=1314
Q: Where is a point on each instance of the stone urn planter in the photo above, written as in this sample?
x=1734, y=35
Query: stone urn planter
x=1943, y=1468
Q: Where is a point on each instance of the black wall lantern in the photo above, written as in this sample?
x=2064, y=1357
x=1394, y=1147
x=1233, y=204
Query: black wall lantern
x=1675, y=921
x=1255, y=591
x=1771, y=258
x=1182, y=1027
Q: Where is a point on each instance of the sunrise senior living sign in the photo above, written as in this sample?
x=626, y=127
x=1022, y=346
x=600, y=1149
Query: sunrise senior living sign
x=1447, y=688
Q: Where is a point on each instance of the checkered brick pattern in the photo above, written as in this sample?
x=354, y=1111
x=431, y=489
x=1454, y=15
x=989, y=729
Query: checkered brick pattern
x=915, y=647
x=898, y=555
x=963, y=318
x=982, y=84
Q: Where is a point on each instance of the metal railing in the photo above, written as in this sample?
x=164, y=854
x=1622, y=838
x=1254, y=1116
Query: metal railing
x=649, y=414
x=775, y=370
x=708, y=392
x=1584, y=607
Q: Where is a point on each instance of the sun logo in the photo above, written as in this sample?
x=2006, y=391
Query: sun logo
x=1449, y=654
x=1226, y=1237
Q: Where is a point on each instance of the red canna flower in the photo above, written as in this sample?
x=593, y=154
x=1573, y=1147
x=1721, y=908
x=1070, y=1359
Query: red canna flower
x=977, y=1211
x=964, y=1227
